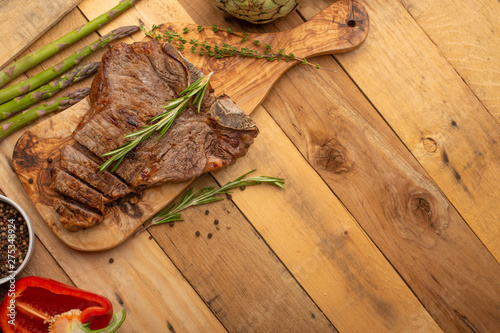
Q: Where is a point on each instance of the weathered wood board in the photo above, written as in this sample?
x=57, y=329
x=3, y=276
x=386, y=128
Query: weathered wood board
x=390, y=195
x=341, y=27
x=434, y=112
x=25, y=21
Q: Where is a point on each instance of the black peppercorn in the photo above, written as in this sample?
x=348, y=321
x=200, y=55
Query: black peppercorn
x=14, y=239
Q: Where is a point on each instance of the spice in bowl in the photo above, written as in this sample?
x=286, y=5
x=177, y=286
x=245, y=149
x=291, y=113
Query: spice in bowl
x=16, y=239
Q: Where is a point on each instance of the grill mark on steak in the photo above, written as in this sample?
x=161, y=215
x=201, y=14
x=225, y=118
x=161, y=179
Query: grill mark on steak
x=132, y=84
x=74, y=216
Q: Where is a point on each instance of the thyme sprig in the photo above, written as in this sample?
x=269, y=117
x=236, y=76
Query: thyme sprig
x=161, y=122
x=172, y=213
x=225, y=50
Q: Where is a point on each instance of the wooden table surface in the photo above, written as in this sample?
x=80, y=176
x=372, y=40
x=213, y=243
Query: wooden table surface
x=389, y=221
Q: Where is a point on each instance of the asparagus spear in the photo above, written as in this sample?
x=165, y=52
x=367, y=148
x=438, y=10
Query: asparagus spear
x=22, y=102
x=41, y=78
x=36, y=57
x=24, y=118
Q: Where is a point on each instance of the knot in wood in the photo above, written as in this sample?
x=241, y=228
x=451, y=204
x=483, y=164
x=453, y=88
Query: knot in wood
x=421, y=208
x=417, y=215
x=332, y=157
x=430, y=145
x=426, y=224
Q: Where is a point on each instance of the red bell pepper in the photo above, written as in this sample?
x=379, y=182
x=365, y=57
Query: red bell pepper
x=41, y=305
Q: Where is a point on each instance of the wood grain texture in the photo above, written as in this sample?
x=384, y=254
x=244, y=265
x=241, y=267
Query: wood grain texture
x=140, y=278
x=434, y=113
x=466, y=33
x=392, y=198
x=388, y=192
x=22, y=22
x=321, y=244
x=44, y=141
x=232, y=268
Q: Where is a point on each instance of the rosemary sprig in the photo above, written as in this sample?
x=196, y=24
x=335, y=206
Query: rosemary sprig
x=226, y=50
x=172, y=213
x=161, y=122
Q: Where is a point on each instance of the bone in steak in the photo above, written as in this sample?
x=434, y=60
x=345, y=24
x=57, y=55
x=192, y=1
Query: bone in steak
x=134, y=81
x=132, y=84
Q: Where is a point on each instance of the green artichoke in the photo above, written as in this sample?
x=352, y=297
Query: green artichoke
x=257, y=11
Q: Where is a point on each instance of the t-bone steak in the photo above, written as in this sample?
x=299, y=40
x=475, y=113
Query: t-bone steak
x=134, y=81
x=132, y=84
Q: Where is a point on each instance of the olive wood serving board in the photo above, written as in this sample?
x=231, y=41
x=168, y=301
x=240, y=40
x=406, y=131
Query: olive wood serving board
x=341, y=27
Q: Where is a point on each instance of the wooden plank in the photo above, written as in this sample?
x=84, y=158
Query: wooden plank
x=391, y=197
x=387, y=191
x=148, y=11
x=140, y=278
x=320, y=243
x=346, y=308
x=466, y=33
x=413, y=303
x=235, y=272
x=22, y=22
x=432, y=111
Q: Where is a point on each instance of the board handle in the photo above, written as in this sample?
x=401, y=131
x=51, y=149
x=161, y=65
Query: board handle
x=339, y=28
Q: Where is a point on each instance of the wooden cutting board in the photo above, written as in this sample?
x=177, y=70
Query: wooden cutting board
x=22, y=22
x=341, y=27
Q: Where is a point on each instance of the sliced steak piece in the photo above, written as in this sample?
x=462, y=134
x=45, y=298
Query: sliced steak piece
x=74, y=216
x=77, y=163
x=67, y=185
x=132, y=84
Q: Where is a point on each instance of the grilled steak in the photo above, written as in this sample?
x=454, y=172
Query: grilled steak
x=74, y=216
x=67, y=185
x=132, y=84
x=134, y=81
x=77, y=163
